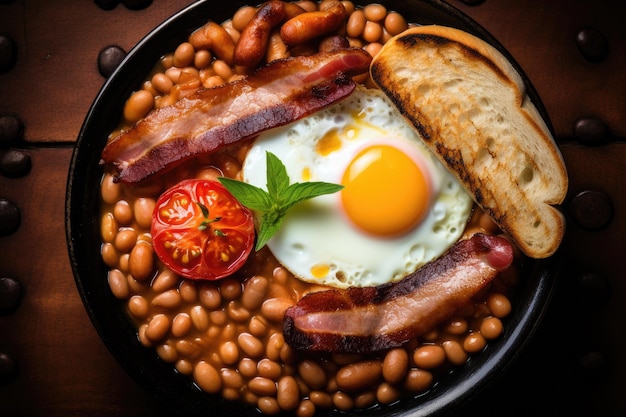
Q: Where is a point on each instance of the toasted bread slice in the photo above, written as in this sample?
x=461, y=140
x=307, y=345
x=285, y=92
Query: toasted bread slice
x=469, y=104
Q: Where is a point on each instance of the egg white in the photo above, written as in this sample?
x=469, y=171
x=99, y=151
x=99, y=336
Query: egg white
x=318, y=232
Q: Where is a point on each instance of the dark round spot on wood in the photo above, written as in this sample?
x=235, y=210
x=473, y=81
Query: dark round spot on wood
x=592, y=44
x=10, y=295
x=14, y=163
x=107, y=4
x=8, y=368
x=109, y=59
x=591, y=210
x=136, y=4
x=591, y=131
x=10, y=217
x=11, y=130
x=8, y=53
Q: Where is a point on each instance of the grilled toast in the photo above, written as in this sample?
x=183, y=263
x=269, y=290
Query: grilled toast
x=470, y=106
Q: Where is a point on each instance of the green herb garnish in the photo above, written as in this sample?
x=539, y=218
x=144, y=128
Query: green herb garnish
x=279, y=197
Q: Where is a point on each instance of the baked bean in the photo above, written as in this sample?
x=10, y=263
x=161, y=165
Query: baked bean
x=229, y=352
x=184, y=366
x=138, y=105
x=187, y=348
x=372, y=32
x=118, y=284
x=321, y=399
x=214, y=38
x=181, y=325
x=288, y=394
x=143, y=209
x=249, y=397
x=429, y=356
x=110, y=191
x=455, y=353
x=169, y=299
x=307, y=5
x=211, y=81
x=141, y=261
x=222, y=69
x=359, y=376
x=230, y=394
x=306, y=408
x=141, y=335
x=269, y=369
x=287, y=354
x=487, y=224
x=252, y=346
x=343, y=401
x=474, y=342
x=167, y=352
x=274, y=308
x=231, y=378
x=188, y=291
x=254, y=292
x=218, y=317
x=229, y=331
x=183, y=55
x=387, y=393
x=162, y=83
x=395, y=23
x=110, y=255
x=125, y=240
x=491, y=328
x=165, y=280
x=499, y=305
x=138, y=306
x=230, y=288
x=280, y=275
x=242, y=17
x=312, y=374
x=210, y=296
x=248, y=368
x=202, y=59
x=158, y=327
x=262, y=386
x=375, y=12
x=108, y=228
x=268, y=405
x=123, y=213
x=274, y=344
x=207, y=377
x=373, y=48
x=395, y=365
x=123, y=262
x=237, y=313
x=199, y=318
x=418, y=380
x=356, y=24
x=257, y=326
x=456, y=326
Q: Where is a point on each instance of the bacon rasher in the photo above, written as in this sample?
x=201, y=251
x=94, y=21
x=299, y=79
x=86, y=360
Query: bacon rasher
x=276, y=94
x=369, y=319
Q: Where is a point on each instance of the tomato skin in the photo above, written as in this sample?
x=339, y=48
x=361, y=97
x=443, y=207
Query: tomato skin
x=200, y=231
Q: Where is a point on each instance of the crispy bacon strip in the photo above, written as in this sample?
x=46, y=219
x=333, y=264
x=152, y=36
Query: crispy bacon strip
x=210, y=119
x=363, y=320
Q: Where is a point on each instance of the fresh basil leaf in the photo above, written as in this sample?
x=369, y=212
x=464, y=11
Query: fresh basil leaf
x=301, y=191
x=253, y=197
x=268, y=228
x=277, y=177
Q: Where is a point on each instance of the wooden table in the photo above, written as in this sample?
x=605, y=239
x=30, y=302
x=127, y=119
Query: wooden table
x=63, y=368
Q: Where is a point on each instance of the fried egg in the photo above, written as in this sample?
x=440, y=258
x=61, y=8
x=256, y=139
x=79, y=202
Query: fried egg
x=399, y=208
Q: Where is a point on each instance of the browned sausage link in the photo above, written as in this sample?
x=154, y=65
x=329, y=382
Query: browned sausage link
x=252, y=44
x=310, y=25
x=215, y=38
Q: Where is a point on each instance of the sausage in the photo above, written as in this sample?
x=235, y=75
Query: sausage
x=310, y=25
x=369, y=319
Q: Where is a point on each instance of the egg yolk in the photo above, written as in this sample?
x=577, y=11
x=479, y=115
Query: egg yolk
x=386, y=193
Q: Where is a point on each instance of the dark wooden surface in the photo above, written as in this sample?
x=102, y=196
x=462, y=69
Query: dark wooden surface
x=574, y=365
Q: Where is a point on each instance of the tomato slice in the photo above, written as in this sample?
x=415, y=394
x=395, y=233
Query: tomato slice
x=200, y=231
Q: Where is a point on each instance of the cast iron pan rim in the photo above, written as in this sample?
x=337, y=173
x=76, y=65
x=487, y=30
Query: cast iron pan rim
x=179, y=392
